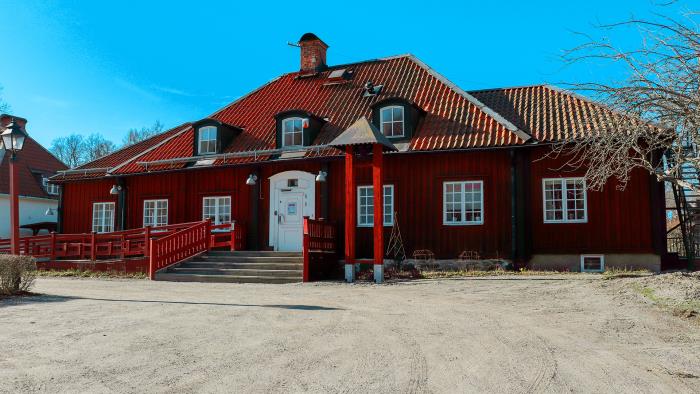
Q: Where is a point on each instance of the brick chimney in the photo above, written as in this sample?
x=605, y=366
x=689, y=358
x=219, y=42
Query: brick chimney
x=313, y=53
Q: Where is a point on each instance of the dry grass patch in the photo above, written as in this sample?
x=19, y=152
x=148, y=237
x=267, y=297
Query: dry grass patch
x=75, y=273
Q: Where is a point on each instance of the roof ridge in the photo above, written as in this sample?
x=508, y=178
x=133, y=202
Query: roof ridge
x=128, y=146
x=488, y=110
x=511, y=87
x=185, y=126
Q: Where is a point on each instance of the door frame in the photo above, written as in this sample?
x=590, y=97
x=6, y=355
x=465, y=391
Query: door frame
x=308, y=203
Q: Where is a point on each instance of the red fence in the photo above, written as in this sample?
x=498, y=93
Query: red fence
x=121, y=244
x=178, y=246
x=320, y=246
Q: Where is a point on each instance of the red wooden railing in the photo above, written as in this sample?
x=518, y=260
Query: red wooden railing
x=178, y=246
x=320, y=245
x=120, y=244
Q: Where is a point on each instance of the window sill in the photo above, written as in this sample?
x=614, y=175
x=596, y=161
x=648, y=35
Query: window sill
x=462, y=224
x=565, y=222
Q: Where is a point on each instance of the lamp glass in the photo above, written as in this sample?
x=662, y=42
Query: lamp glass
x=251, y=180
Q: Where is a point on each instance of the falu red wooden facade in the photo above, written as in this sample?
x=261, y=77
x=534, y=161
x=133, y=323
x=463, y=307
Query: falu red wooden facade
x=460, y=171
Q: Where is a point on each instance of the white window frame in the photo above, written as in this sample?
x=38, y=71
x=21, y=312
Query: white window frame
x=388, y=206
x=51, y=188
x=391, y=121
x=463, y=210
x=602, y=262
x=285, y=131
x=564, y=201
x=208, y=141
x=154, y=217
x=217, y=209
x=105, y=224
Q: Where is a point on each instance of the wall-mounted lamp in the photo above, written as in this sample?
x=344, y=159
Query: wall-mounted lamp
x=321, y=177
x=49, y=212
x=252, y=180
x=115, y=189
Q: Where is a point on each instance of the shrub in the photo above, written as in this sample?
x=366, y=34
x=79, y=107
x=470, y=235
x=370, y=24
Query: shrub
x=17, y=274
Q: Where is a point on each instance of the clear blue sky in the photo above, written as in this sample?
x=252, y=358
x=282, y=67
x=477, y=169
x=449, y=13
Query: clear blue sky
x=99, y=66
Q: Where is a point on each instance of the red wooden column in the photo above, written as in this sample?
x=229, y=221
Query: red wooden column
x=350, y=214
x=378, y=190
x=14, y=205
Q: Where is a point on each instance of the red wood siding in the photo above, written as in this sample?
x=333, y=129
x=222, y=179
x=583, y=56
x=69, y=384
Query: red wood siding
x=618, y=221
x=78, y=198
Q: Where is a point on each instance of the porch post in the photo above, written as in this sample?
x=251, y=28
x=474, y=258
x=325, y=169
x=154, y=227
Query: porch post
x=350, y=215
x=378, y=190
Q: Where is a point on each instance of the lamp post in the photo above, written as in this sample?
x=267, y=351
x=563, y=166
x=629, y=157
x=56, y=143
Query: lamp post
x=13, y=137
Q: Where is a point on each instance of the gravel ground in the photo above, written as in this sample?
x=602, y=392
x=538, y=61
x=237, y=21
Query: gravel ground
x=514, y=335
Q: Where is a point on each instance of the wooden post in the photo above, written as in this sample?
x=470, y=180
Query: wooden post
x=93, y=252
x=378, y=190
x=233, y=235
x=147, y=241
x=350, y=214
x=14, y=205
x=122, y=245
x=306, y=242
x=151, y=261
x=52, y=250
x=207, y=238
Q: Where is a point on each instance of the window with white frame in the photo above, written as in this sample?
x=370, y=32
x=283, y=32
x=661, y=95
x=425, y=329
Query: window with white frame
x=293, y=131
x=365, y=206
x=51, y=188
x=463, y=202
x=592, y=263
x=103, y=217
x=391, y=121
x=564, y=200
x=218, y=209
x=207, y=140
x=155, y=213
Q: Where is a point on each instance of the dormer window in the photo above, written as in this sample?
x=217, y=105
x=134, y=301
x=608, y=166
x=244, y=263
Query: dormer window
x=207, y=140
x=51, y=188
x=391, y=121
x=293, y=131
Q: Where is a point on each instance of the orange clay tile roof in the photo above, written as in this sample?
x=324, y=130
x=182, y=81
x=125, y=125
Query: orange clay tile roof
x=33, y=162
x=452, y=119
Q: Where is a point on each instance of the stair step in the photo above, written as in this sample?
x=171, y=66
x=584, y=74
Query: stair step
x=254, y=253
x=236, y=272
x=166, y=276
x=249, y=259
x=243, y=265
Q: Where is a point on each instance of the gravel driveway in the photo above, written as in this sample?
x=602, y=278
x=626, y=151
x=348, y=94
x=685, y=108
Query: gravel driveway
x=515, y=335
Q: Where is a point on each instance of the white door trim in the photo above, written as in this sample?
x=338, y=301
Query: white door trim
x=278, y=185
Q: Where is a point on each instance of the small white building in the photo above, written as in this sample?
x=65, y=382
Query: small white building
x=36, y=194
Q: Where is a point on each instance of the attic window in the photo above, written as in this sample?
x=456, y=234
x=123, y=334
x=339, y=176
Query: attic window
x=391, y=121
x=51, y=188
x=293, y=131
x=207, y=140
x=336, y=74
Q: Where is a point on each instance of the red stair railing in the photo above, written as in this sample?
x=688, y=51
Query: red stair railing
x=178, y=246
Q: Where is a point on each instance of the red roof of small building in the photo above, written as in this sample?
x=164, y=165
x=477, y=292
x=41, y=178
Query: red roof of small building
x=33, y=162
x=452, y=118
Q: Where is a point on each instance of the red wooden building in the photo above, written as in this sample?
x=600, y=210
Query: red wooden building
x=460, y=170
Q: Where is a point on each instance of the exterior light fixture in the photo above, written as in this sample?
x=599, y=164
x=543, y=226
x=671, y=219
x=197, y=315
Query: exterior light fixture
x=115, y=189
x=252, y=180
x=13, y=137
x=321, y=177
x=49, y=212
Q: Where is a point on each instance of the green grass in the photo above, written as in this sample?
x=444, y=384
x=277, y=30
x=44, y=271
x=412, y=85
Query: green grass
x=474, y=273
x=618, y=273
x=679, y=308
x=75, y=273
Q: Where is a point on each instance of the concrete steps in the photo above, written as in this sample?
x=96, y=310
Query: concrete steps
x=238, y=267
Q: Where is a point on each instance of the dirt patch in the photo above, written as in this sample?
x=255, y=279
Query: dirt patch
x=514, y=334
x=678, y=292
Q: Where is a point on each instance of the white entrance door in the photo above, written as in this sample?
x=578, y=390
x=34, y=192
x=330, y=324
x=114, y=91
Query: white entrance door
x=292, y=196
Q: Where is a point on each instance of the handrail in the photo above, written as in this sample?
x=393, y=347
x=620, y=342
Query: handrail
x=178, y=246
x=320, y=239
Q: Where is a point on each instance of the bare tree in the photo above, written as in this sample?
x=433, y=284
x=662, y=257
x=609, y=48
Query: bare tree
x=656, y=109
x=135, y=135
x=4, y=106
x=69, y=149
x=96, y=146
